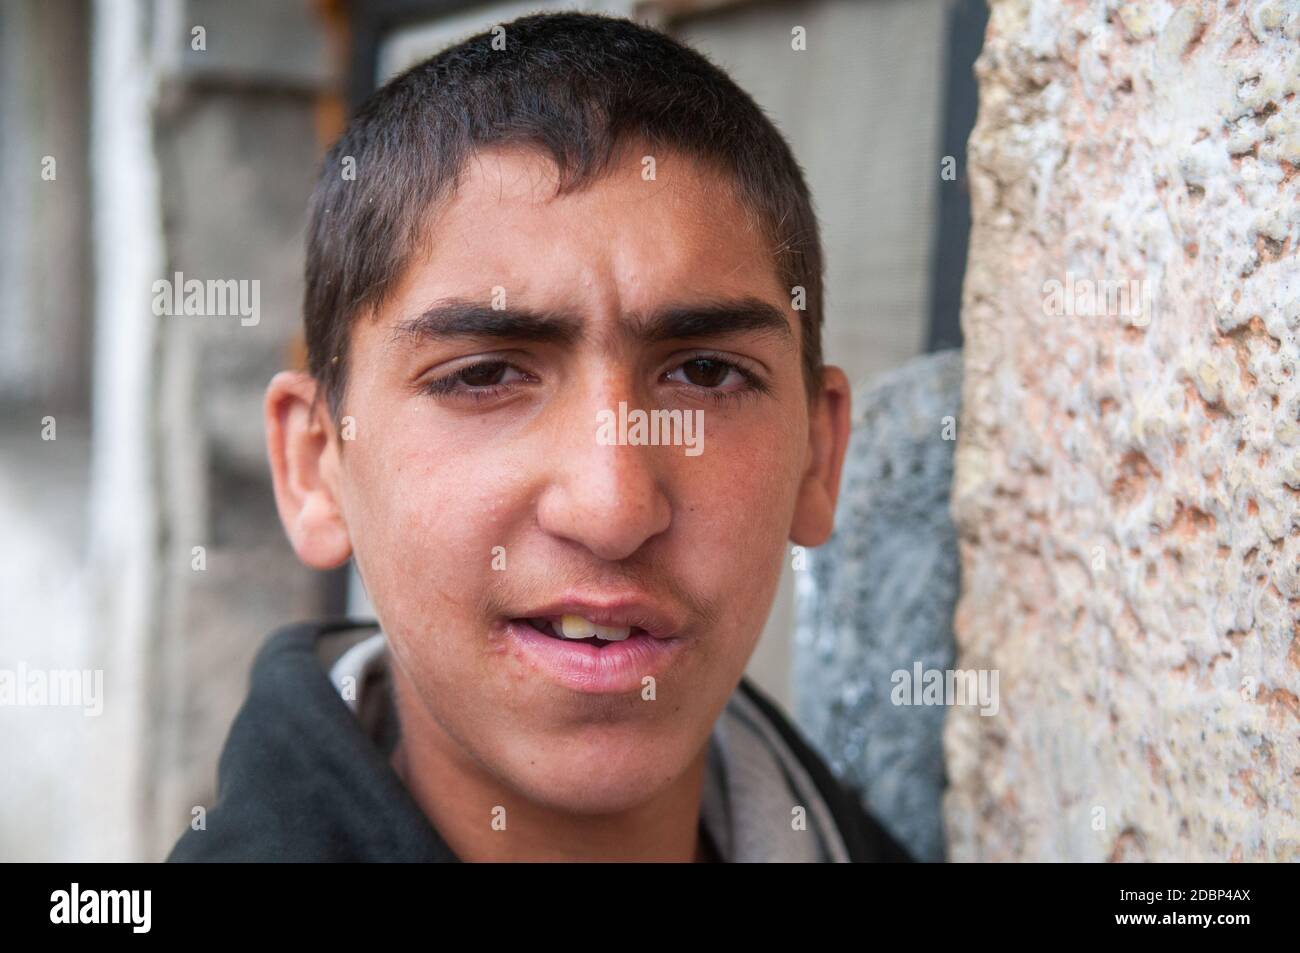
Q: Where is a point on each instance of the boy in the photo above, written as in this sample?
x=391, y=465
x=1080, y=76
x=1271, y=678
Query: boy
x=583, y=223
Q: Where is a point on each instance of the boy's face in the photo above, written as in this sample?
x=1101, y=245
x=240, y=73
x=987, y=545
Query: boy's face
x=475, y=494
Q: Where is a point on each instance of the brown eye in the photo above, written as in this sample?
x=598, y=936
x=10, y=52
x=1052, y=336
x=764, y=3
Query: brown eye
x=717, y=379
x=483, y=380
x=703, y=372
x=483, y=375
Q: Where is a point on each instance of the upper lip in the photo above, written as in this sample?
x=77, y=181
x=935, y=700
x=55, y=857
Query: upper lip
x=625, y=611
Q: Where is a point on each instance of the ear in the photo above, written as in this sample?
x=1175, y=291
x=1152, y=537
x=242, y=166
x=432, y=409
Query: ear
x=828, y=440
x=303, y=451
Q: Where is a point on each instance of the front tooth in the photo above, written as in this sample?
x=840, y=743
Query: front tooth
x=576, y=627
x=612, y=633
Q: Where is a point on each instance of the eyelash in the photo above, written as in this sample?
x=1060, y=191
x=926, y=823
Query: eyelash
x=448, y=386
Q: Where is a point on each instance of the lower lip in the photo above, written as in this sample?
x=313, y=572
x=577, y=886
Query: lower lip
x=617, y=668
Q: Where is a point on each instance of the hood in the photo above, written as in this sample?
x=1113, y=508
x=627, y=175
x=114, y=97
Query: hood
x=305, y=776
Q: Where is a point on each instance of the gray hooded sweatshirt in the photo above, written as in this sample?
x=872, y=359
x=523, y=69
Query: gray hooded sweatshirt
x=305, y=772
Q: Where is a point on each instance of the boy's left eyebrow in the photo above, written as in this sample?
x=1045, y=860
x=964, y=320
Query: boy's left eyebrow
x=459, y=318
x=713, y=318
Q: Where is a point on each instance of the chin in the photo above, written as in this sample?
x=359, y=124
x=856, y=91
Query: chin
x=600, y=779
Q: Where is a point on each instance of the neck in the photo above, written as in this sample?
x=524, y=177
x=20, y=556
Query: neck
x=459, y=797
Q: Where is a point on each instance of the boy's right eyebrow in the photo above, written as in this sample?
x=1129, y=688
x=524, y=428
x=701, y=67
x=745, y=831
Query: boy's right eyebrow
x=458, y=318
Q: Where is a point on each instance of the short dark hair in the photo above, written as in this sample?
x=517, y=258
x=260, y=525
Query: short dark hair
x=574, y=85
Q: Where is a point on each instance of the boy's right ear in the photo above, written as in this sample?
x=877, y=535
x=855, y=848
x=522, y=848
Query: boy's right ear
x=305, y=470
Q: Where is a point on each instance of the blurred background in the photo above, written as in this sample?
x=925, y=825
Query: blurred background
x=139, y=138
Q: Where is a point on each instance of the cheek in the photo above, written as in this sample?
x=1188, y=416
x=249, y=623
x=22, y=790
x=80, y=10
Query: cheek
x=747, y=477
x=736, y=500
x=424, y=518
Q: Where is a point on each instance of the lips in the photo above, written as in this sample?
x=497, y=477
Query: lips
x=614, y=668
x=605, y=647
x=576, y=628
x=581, y=618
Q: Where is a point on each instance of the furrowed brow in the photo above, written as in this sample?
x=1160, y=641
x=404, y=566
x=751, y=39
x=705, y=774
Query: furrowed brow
x=454, y=318
x=716, y=319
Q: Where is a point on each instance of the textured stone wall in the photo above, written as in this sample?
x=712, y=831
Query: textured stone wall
x=1127, y=486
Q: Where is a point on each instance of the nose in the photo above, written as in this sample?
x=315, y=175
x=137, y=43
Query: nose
x=609, y=499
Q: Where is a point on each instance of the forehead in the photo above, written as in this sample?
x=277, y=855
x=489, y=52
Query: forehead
x=649, y=229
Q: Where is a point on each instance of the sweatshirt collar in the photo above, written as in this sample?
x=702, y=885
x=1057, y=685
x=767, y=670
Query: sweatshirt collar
x=758, y=805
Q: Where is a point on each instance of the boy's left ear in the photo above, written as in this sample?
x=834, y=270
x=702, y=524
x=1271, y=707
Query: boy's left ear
x=828, y=441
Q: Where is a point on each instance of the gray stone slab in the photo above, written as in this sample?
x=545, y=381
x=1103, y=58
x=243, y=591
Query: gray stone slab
x=879, y=598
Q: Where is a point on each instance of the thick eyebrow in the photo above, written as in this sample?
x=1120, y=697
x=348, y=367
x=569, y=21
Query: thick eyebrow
x=458, y=318
x=714, y=319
